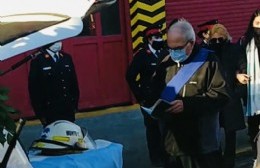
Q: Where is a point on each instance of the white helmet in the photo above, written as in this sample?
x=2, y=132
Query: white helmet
x=62, y=137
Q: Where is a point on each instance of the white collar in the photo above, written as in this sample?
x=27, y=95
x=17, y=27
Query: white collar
x=152, y=49
x=52, y=54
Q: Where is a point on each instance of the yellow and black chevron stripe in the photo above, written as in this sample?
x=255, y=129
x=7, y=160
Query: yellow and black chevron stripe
x=145, y=13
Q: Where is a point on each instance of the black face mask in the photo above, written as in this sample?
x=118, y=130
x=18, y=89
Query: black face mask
x=157, y=45
x=217, y=46
x=257, y=31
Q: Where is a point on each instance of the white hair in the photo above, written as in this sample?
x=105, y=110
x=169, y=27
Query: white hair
x=186, y=28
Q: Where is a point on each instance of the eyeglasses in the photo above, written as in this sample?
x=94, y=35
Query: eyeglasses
x=179, y=47
x=217, y=40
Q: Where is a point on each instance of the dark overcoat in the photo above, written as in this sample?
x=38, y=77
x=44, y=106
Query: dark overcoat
x=53, y=87
x=232, y=115
x=140, y=72
x=194, y=130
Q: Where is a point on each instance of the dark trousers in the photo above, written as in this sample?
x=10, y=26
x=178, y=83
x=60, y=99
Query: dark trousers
x=61, y=111
x=154, y=139
x=209, y=160
x=253, y=128
x=230, y=149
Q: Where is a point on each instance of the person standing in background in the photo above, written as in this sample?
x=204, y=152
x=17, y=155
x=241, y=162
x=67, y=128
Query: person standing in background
x=249, y=75
x=231, y=115
x=53, y=86
x=138, y=76
x=204, y=32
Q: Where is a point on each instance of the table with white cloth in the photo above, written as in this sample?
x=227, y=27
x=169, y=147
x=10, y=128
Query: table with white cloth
x=106, y=155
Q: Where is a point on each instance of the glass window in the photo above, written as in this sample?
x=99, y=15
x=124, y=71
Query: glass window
x=110, y=20
x=89, y=26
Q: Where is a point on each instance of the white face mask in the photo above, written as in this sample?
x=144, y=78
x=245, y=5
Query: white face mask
x=56, y=47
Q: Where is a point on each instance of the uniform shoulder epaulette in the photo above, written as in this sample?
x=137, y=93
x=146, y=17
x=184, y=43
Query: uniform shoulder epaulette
x=144, y=51
x=61, y=54
x=148, y=51
x=137, y=51
x=47, y=55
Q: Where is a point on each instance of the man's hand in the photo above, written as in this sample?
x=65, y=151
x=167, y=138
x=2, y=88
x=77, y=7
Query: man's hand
x=243, y=78
x=176, y=107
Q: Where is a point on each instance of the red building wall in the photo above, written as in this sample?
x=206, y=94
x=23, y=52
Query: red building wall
x=234, y=14
x=16, y=82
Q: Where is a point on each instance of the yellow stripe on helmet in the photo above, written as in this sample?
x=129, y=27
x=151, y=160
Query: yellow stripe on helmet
x=61, y=138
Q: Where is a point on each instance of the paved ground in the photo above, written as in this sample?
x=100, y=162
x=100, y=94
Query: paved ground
x=124, y=125
x=244, y=160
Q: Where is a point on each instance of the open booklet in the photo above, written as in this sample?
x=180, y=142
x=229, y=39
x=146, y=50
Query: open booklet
x=157, y=110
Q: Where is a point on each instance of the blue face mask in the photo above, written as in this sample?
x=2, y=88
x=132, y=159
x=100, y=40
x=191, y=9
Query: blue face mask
x=178, y=55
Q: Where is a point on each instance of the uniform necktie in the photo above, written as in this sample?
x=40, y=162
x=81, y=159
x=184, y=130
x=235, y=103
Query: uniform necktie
x=157, y=53
x=56, y=57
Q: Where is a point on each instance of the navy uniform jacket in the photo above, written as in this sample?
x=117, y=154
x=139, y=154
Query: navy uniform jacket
x=140, y=72
x=53, y=87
